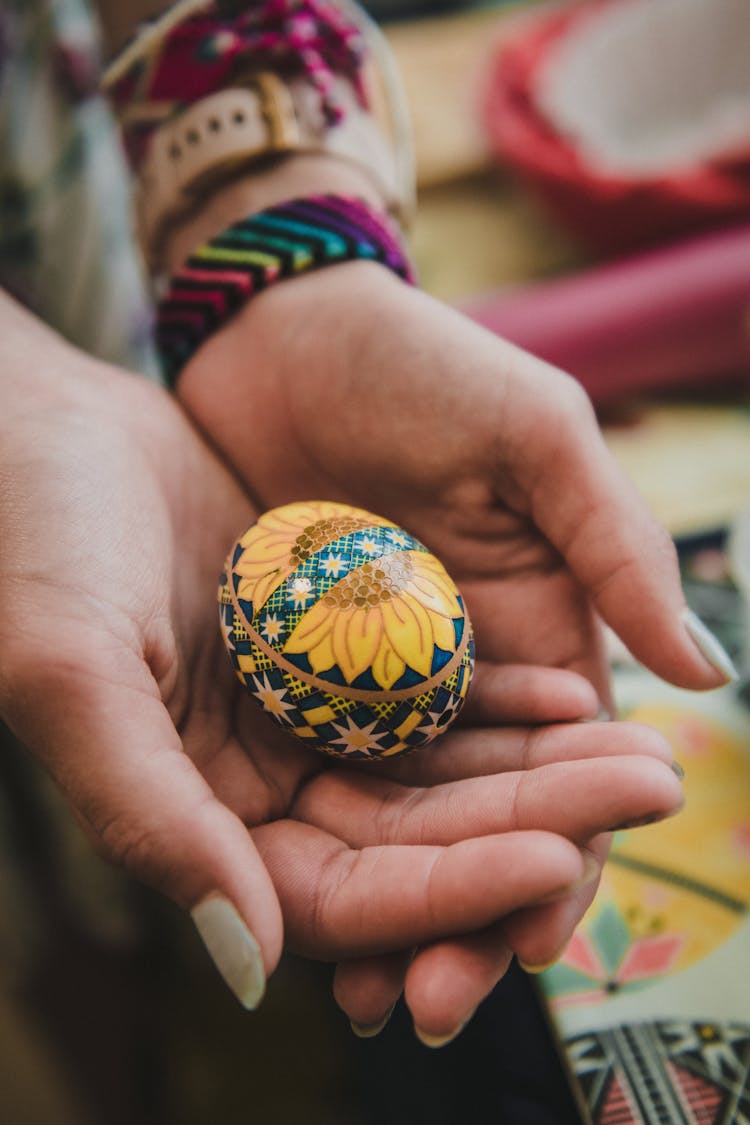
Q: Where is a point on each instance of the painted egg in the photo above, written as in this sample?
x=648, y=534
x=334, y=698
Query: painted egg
x=346, y=630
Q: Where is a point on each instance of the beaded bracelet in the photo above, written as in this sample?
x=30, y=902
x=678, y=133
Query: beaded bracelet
x=280, y=242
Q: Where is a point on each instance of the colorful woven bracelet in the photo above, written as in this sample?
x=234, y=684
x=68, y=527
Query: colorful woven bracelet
x=280, y=242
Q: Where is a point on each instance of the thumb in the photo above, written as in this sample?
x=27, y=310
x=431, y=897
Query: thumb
x=103, y=732
x=625, y=559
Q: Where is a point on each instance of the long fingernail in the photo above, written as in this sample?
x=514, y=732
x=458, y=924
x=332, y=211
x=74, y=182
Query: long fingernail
x=591, y=870
x=709, y=646
x=641, y=821
x=370, y=1030
x=232, y=947
x=435, y=1041
x=541, y=968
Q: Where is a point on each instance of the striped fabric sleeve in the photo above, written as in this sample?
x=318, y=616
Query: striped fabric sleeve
x=280, y=242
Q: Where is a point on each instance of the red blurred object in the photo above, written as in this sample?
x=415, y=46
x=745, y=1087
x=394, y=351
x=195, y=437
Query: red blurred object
x=608, y=211
x=679, y=315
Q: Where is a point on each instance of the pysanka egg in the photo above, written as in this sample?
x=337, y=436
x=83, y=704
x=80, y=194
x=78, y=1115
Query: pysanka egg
x=346, y=630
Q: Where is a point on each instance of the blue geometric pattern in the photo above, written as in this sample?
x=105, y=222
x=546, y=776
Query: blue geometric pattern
x=355, y=718
x=325, y=568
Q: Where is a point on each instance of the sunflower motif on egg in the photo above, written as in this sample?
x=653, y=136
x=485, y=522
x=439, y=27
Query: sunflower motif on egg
x=346, y=630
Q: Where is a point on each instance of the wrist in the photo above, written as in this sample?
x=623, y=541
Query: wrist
x=45, y=377
x=256, y=190
x=275, y=245
x=302, y=93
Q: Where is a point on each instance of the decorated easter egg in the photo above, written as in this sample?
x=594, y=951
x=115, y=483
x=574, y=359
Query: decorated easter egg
x=346, y=630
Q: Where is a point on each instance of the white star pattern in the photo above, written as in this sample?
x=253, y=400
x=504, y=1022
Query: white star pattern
x=369, y=545
x=397, y=538
x=300, y=591
x=272, y=627
x=357, y=739
x=333, y=565
x=435, y=722
x=273, y=700
x=226, y=630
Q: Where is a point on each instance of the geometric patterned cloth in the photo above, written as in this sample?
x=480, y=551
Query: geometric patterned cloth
x=651, y=997
x=346, y=630
x=283, y=241
x=673, y=1071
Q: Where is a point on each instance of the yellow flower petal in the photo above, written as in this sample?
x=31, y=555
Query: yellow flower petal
x=341, y=651
x=364, y=634
x=432, y=585
x=321, y=656
x=316, y=624
x=409, y=631
x=387, y=668
x=444, y=633
x=268, y=545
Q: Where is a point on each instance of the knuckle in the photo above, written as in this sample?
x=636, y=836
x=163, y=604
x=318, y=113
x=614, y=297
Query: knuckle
x=517, y=782
x=574, y=404
x=134, y=848
x=395, y=816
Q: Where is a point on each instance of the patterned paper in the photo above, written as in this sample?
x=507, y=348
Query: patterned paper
x=652, y=995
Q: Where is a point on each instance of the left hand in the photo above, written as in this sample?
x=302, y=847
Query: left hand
x=348, y=385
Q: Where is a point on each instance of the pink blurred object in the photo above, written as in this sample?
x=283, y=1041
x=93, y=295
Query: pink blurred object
x=679, y=315
x=629, y=119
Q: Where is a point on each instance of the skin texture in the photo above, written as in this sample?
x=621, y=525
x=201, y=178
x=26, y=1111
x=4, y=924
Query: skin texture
x=115, y=516
x=423, y=877
x=348, y=385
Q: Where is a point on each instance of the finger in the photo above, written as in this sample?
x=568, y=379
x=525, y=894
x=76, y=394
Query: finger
x=583, y=501
x=447, y=981
x=576, y=799
x=538, y=935
x=539, y=613
x=105, y=735
x=515, y=693
x=367, y=989
x=480, y=752
x=340, y=903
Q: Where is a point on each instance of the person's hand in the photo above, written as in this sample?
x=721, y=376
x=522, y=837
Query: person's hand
x=114, y=520
x=348, y=385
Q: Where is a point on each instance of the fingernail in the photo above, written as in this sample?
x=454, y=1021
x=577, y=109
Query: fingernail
x=677, y=770
x=709, y=647
x=370, y=1030
x=640, y=822
x=435, y=1041
x=232, y=947
x=591, y=870
x=603, y=715
x=541, y=968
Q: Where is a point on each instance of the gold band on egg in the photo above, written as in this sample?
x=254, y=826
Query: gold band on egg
x=346, y=692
